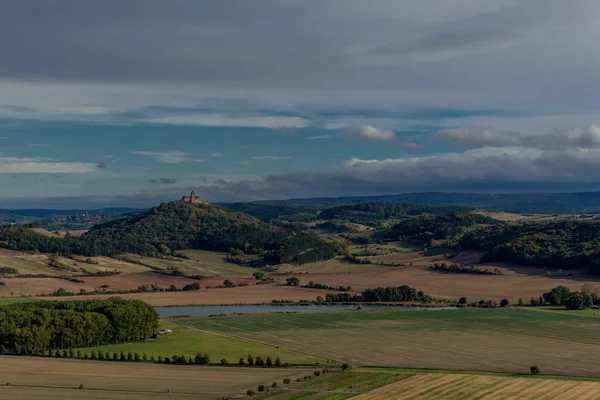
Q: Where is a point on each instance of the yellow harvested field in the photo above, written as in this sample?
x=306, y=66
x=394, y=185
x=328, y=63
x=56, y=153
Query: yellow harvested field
x=515, y=283
x=32, y=378
x=462, y=387
x=257, y=294
x=477, y=350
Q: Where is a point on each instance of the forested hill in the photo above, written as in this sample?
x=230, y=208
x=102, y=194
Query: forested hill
x=535, y=203
x=176, y=226
x=371, y=212
x=562, y=244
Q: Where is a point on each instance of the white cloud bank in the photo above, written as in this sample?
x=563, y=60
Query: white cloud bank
x=370, y=132
x=25, y=165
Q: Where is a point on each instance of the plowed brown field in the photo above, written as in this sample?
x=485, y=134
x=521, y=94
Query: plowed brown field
x=45, y=378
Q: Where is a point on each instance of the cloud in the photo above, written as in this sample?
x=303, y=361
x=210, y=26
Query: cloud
x=319, y=137
x=588, y=138
x=217, y=154
x=167, y=157
x=479, y=137
x=163, y=181
x=286, y=129
x=288, y=124
x=26, y=165
x=488, y=169
x=270, y=158
x=369, y=132
x=410, y=146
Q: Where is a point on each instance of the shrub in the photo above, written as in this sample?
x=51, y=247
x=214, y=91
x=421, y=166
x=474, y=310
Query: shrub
x=277, y=362
x=224, y=361
x=261, y=388
x=81, y=386
x=520, y=302
x=287, y=381
x=136, y=357
x=129, y=356
x=317, y=373
x=274, y=385
x=504, y=303
x=345, y=367
x=269, y=362
x=534, y=369
x=258, y=275
x=250, y=393
x=93, y=356
x=115, y=357
x=100, y=355
x=241, y=362
x=144, y=357
x=250, y=360
x=462, y=300
x=78, y=355
x=228, y=284
x=259, y=362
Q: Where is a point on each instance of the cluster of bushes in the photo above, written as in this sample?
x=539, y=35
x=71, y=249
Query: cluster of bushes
x=563, y=296
x=402, y=293
x=457, y=268
x=355, y=259
x=8, y=271
x=313, y=285
x=462, y=302
x=38, y=327
x=107, y=272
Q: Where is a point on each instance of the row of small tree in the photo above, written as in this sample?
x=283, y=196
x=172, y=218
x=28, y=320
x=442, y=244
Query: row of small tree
x=199, y=359
x=286, y=381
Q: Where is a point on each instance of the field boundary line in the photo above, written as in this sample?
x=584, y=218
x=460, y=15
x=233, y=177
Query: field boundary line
x=252, y=340
x=99, y=389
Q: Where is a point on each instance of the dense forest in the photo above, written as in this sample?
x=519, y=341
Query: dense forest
x=37, y=327
x=564, y=244
x=367, y=213
x=174, y=226
x=269, y=213
x=427, y=227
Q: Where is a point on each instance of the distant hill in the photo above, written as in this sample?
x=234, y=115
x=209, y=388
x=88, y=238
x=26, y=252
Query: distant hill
x=533, y=203
x=58, y=220
x=175, y=226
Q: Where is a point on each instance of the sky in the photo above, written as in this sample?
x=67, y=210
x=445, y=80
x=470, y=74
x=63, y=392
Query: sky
x=133, y=102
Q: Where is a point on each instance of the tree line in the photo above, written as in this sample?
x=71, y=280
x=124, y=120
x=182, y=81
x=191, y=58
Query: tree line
x=402, y=293
x=41, y=326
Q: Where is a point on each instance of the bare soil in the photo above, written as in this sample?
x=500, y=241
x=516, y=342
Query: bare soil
x=46, y=378
x=239, y=295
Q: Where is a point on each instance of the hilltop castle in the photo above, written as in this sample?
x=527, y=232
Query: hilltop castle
x=193, y=199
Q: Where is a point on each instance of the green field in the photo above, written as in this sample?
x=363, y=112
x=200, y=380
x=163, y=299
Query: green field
x=12, y=300
x=189, y=341
x=499, y=340
x=215, y=262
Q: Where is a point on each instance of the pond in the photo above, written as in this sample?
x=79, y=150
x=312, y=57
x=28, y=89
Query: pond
x=205, y=311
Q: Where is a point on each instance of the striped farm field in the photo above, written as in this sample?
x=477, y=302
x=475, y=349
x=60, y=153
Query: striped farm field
x=494, y=340
x=482, y=387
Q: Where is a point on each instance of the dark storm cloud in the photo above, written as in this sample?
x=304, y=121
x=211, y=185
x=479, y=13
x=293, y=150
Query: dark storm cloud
x=163, y=181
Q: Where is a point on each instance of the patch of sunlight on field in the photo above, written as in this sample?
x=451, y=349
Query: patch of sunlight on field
x=189, y=341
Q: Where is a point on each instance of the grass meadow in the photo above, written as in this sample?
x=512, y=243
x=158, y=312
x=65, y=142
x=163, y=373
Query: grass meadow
x=189, y=341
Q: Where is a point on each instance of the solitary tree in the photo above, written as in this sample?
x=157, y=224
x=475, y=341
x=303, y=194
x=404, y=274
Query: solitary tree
x=250, y=393
x=534, y=369
x=504, y=303
x=287, y=381
x=250, y=360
